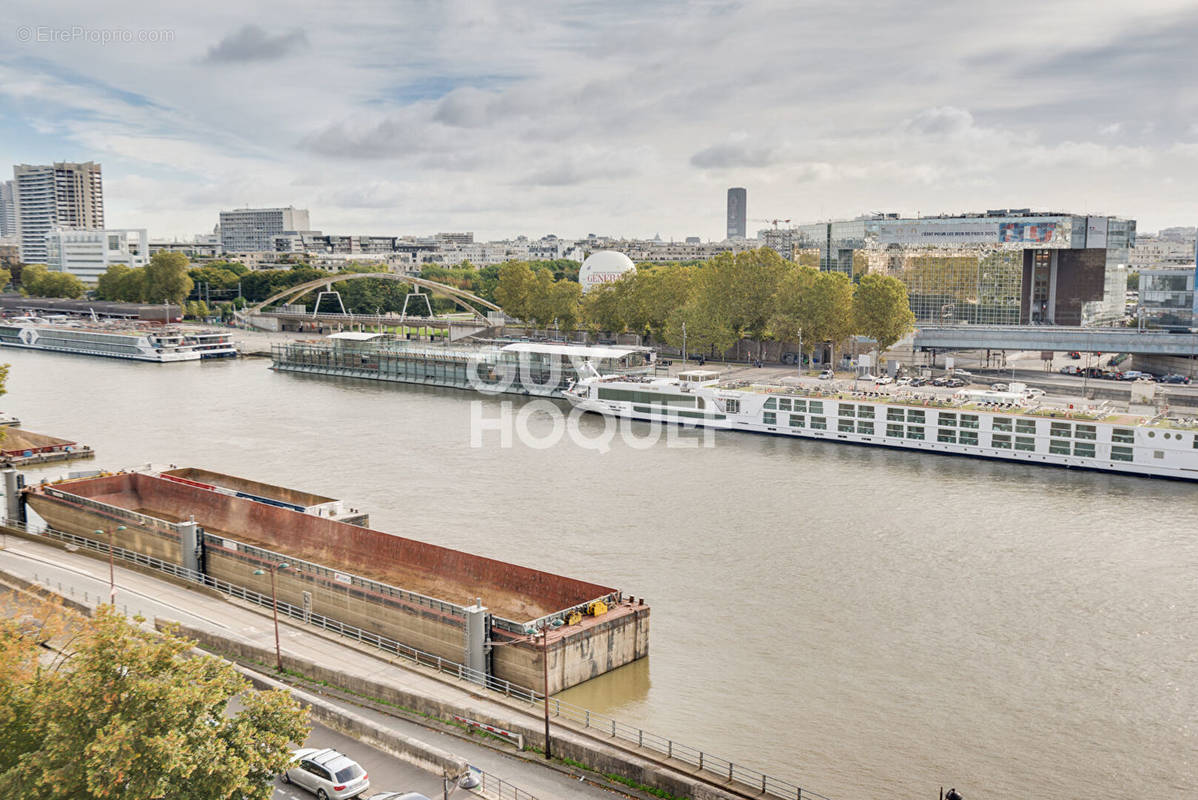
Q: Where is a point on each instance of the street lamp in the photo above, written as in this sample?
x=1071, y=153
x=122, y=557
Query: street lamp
x=111, y=565
x=274, y=602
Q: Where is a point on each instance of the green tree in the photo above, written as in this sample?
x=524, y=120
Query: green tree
x=109, y=285
x=516, y=288
x=37, y=280
x=5, y=278
x=653, y=293
x=881, y=310
x=166, y=278
x=125, y=713
x=603, y=307
x=819, y=305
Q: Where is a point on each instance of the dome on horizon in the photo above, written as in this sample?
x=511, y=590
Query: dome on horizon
x=604, y=266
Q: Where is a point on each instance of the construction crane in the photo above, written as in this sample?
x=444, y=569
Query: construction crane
x=773, y=222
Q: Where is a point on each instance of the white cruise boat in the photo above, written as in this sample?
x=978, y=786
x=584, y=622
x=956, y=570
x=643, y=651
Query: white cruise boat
x=1002, y=425
x=97, y=340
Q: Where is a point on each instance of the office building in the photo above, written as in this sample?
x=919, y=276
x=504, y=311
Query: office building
x=1003, y=267
x=737, y=214
x=1167, y=298
x=88, y=254
x=8, y=210
x=48, y=196
x=255, y=229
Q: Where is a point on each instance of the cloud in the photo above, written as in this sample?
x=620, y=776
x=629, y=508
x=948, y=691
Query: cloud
x=942, y=121
x=251, y=43
x=736, y=154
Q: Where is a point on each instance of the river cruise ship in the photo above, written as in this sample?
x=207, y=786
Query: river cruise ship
x=98, y=340
x=1011, y=426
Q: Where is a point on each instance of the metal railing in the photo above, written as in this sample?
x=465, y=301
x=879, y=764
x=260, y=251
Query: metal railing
x=591, y=722
x=493, y=787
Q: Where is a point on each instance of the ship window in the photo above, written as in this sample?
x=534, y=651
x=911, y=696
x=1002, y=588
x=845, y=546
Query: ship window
x=894, y=415
x=1025, y=443
x=784, y=404
x=1086, y=432
x=1001, y=440
x=796, y=420
x=914, y=432
x=846, y=409
x=1002, y=424
x=865, y=427
x=865, y=411
x=1063, y=429
x=968, y=437
x=1121, y=453
x=732, y=406
x=894, y=430
x=769, y=418
x=948, y=420
x=816, y=406
x=915, y=416
x=800, y=405
x=845, y=426
x=1123, y=435
x=1025, y=426
x=771, y=403
x=969, y=421
x=1196, y=442
x=819, y=423
x=946, y=435
x=1060, y=448
x=1084, y=449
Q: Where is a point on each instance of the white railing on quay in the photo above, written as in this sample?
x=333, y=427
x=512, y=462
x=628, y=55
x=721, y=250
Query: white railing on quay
x=591, y=722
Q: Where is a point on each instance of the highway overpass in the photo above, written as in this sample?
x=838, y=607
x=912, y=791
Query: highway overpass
x=1055, y=338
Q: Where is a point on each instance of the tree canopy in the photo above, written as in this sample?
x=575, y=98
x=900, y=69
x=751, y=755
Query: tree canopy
x=121, y=712
x=881, y=310
x=38, y=281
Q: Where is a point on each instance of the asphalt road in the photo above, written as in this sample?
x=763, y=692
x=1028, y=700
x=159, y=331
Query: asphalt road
x=387, y=774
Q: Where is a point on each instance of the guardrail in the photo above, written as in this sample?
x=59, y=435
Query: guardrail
x=591, y=722
x=494, y=787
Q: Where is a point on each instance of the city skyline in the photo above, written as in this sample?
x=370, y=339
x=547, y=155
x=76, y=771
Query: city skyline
x=624, y=121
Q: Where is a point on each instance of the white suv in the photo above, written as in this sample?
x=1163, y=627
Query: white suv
x=326, y=773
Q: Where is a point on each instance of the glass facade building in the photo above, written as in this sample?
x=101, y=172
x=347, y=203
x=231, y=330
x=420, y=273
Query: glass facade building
x=1004, y=267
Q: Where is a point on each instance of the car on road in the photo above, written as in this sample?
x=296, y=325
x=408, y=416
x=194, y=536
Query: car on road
x=956, y=383
x=962, y=373
x=1033, y=393
x=326, y=773
x=827, y=375
x=884, y=380
x=904, y=382
x=999, y=387
x=917, y=382
x=940, y=381
x=1070, y=369
x=1174, y=379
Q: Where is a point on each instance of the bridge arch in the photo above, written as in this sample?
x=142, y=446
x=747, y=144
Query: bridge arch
x=458, y=296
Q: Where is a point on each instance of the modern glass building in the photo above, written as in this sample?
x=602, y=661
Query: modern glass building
x=1167, y=298
x=1004, y=267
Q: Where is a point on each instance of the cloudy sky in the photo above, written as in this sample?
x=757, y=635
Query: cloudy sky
x=614, y=117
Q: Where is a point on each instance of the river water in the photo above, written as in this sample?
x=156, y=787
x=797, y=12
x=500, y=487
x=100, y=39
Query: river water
x=865, y=622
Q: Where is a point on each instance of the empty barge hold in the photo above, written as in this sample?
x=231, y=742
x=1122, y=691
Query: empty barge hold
x=416, y=593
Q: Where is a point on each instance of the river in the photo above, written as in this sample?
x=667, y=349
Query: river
x=868, y=623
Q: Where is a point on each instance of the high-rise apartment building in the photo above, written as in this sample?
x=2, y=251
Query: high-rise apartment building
x=244, y=230
x=8, y=210
x=737, y=214
x=48, y=196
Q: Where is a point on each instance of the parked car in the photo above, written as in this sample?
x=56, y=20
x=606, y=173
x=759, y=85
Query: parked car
x=939, y=381
x=884, y=379
x=1174, y=379
x=917, y=382
x=955, y=383
x=827, y=375
x=999, y=387
x=1033, y=393
x=905, y=381
x=326, y=773
x=1070, y=369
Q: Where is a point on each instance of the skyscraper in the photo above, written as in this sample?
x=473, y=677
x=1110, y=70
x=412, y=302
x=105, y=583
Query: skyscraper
x=8, y=210
x=47, y=196
x=737, y=201
x=254, y=229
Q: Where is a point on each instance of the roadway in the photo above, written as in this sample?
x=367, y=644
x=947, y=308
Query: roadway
x=85, y=579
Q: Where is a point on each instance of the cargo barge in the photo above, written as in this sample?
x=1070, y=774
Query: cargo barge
x=422, y=595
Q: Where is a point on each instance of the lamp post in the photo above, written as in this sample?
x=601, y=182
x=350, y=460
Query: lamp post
x=274, y=603
x=111, y=564
x=545, y=663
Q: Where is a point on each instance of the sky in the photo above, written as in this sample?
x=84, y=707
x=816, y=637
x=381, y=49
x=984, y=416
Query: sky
x=615, y=118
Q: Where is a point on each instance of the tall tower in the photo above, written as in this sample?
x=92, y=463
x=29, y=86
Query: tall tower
x=61, y=195
x=8, y=210
x=737, y=199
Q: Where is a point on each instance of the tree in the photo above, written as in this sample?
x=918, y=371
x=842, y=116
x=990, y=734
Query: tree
x=602, y=307
x=126, y=713
x=166, y=278
x=881, y=310
x=515, y=290
x=38, y=281
x=5, y=278
x=787, y=320
x=819, y=304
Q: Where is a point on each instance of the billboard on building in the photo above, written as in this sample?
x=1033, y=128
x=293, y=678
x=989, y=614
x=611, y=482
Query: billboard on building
x=934, y=232
x=1034, y=232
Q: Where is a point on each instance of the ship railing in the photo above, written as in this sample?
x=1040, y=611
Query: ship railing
x=599, y=725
